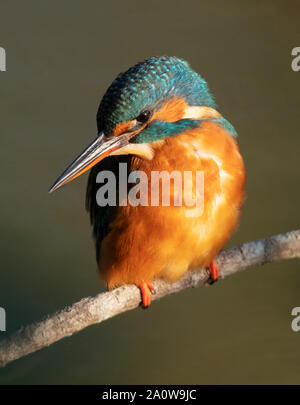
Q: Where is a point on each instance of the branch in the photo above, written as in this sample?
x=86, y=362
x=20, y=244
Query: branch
x=103, y=306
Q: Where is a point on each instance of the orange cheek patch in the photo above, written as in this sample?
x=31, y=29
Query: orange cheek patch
x=173, y=110
x=122, y=128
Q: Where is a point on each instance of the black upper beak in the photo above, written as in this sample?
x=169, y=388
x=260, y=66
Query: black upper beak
x=100, y=148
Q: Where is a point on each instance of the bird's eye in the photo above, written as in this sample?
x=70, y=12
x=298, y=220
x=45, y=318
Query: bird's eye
x=144, y=116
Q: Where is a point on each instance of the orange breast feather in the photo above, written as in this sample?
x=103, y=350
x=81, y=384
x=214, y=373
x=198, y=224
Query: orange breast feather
x=164, y=242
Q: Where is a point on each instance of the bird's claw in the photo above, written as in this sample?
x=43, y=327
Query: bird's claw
x=146, y=290
x=214, y=273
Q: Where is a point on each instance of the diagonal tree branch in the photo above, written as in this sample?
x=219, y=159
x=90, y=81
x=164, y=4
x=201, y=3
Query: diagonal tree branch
x=103, y=306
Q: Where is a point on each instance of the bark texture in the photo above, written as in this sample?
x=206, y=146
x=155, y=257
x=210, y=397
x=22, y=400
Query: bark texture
x=103, y=306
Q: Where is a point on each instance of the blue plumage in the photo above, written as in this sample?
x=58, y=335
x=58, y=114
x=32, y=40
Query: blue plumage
x=161, y=129
x=146, y=85
x=221, y=121
x=157, y=130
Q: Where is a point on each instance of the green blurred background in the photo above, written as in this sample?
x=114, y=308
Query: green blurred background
x=61, y=57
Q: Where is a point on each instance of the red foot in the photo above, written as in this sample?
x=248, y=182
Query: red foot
x=214, y=272
x=146, y=290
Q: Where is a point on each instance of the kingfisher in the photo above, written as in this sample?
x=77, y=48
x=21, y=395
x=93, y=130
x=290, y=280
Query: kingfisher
x=161, y=116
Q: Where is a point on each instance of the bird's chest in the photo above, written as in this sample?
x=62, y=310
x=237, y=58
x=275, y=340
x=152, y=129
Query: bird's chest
x=182, y=167
x=207, y=176
x=171, y=238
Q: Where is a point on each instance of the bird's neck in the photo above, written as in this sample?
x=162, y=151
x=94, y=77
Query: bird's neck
x=159, y=130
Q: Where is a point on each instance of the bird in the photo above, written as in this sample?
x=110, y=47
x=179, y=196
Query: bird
x=160, y=115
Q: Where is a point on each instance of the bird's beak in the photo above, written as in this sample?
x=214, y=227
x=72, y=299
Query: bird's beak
x=94, y=153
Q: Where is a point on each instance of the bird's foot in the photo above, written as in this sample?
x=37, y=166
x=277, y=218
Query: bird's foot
x=146, y=290
x=214, y=273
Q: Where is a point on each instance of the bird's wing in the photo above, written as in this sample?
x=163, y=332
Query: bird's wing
x=102, y=217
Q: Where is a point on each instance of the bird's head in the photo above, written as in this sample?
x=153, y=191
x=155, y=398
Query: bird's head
x=152, y=100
